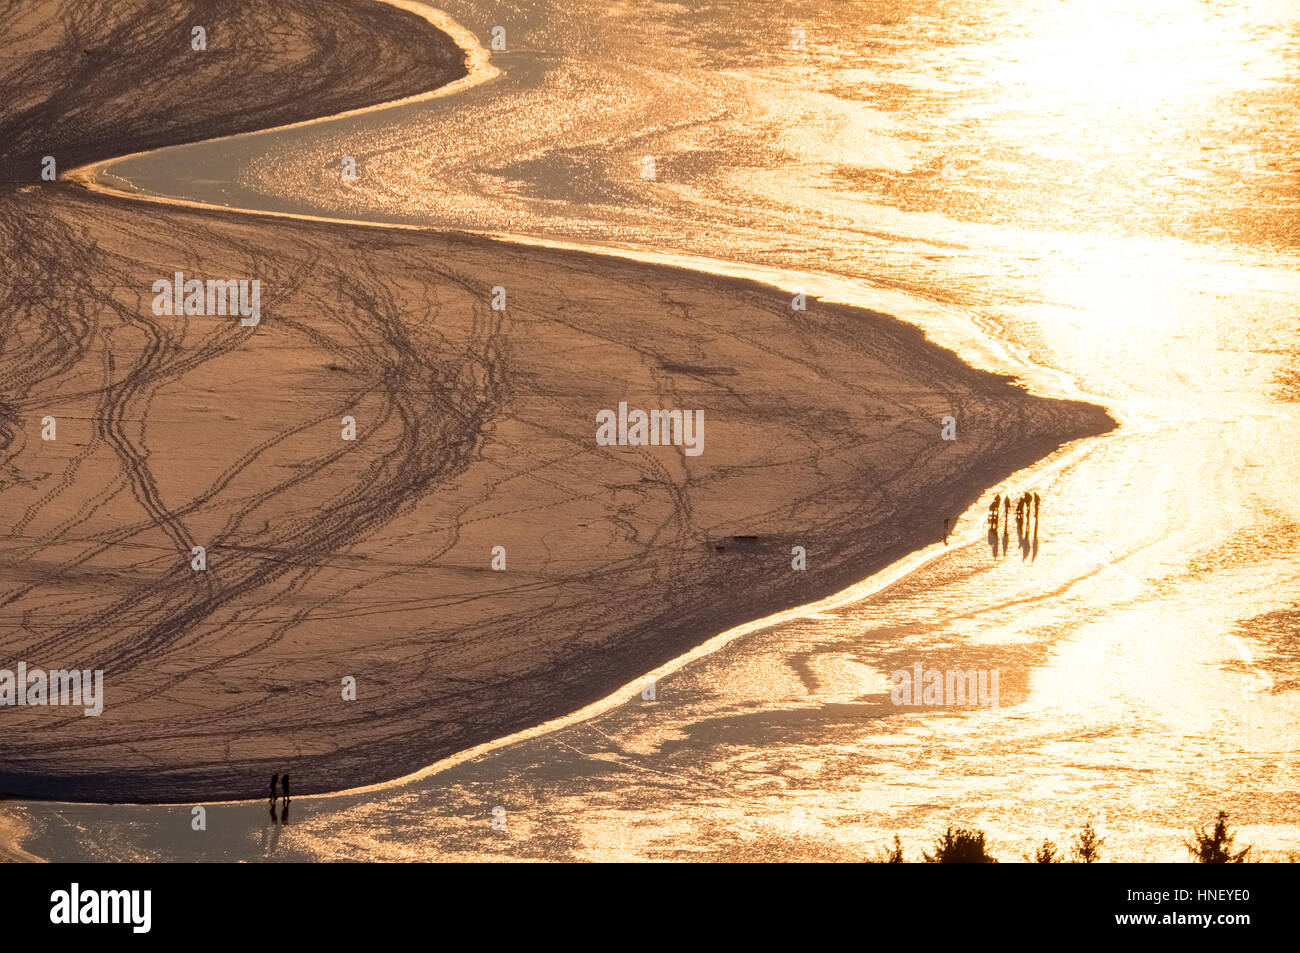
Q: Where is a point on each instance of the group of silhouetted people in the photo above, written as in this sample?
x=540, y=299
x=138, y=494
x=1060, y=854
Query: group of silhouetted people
x=1027, y=504
x=283, y=817
x=1027, y=508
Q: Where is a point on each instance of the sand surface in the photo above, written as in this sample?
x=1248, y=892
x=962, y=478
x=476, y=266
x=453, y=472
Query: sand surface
x=370, y=559
x=90, y=79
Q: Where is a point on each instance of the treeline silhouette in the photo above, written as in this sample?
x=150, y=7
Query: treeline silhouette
x=961, y=845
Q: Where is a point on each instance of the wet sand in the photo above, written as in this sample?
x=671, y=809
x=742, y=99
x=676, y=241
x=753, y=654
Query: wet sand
x=12, y=832
x=371, y=559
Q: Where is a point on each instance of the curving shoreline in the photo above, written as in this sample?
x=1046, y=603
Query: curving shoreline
x=76, y=70
x=440, y=80
x=837, y=332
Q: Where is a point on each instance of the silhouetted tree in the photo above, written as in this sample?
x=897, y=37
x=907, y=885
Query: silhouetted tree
x=1047, y=854
x=894, y=856
x=959, y=846
x=1215, y=846
x=1087, y=846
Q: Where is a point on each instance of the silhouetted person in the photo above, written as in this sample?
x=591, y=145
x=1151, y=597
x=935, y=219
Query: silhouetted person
x=275, y=780
x=945, y=531
x=993, y=512
x=1006, y=522
x=284, y=806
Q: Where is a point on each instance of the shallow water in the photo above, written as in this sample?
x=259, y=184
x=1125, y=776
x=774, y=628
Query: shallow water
x=1106, y=192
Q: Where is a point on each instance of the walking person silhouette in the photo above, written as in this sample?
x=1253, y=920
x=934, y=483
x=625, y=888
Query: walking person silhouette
x=994, y=508
x=284, y=810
